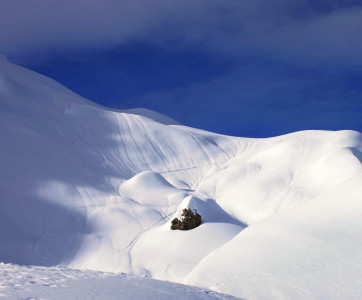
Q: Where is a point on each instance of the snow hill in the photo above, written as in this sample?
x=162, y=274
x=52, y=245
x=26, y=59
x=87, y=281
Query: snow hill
x=91, y=188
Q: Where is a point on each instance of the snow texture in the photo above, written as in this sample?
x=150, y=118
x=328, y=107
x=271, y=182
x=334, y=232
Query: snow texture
x=21, y=282
x=87, y=187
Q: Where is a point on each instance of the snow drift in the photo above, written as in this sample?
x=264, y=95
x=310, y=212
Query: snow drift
x=59, y=283
x=88, y=187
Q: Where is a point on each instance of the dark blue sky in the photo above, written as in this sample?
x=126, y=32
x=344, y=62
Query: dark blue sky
x=231, y=67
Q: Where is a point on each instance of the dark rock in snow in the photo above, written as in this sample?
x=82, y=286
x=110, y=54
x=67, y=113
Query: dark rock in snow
x=189, y=220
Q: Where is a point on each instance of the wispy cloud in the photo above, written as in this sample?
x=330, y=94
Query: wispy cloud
x=307, y=32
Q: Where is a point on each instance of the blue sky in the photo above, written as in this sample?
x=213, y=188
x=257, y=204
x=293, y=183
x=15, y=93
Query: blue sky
x=234, y=67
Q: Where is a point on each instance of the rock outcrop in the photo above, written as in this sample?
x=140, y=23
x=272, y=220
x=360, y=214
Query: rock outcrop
x=189, y=220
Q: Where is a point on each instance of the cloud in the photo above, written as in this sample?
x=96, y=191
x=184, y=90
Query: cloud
x=300, y=31
x=332, y=38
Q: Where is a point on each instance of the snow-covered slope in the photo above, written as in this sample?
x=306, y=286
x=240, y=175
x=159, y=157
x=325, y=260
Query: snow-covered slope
x=23, y=282
x=88, y=187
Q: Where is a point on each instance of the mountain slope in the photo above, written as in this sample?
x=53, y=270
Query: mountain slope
x=88, y=187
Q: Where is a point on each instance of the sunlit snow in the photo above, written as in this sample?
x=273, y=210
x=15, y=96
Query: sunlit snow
x=86, y=187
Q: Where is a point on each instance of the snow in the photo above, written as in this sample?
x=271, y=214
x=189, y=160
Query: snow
x=22, y=282
x=88, y=188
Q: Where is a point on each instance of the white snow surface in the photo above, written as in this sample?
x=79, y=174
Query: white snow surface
x=86, y=187
x=23, y=282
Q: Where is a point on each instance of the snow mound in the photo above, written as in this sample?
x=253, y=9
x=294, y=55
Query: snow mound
x=150, y=188
x=210, y=211
x=92, y=188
